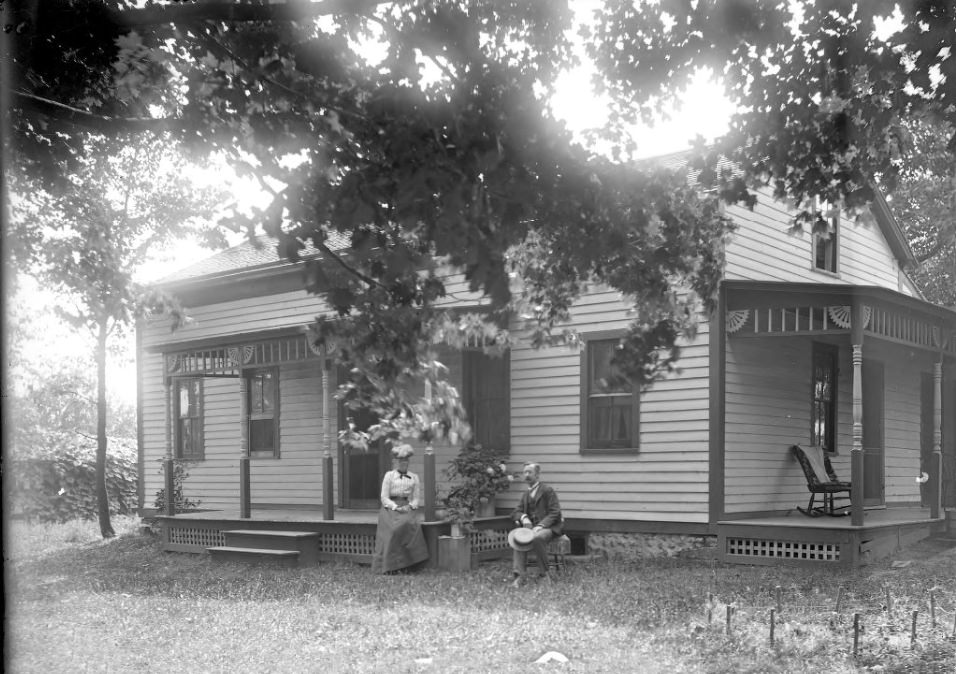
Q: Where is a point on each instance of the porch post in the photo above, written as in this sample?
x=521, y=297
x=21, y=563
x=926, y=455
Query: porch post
x=856, y=453
x=936, y=470
x=245, y=498
x=328, y=504
x=169, y=466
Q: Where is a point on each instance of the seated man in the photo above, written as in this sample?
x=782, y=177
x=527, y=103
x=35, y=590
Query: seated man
x=540, y=512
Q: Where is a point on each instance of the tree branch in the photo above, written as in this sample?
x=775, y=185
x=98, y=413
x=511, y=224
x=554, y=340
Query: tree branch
x=93, y=121
x=194, y=13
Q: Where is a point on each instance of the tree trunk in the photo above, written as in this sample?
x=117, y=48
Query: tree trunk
x=102, y=497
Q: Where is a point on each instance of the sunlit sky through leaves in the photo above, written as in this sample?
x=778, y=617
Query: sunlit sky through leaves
x=704, y=111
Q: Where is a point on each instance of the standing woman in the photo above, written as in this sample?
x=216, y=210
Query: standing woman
x=399, y=542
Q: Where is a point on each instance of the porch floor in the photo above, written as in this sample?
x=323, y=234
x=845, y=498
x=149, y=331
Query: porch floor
x=795, y=537
x=872, y=518
x=349, y=516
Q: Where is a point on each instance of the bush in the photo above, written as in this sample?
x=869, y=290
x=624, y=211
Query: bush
x=58, y=483
x=182, y=504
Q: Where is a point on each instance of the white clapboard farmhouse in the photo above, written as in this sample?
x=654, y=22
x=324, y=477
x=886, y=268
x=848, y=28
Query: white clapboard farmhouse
x=820, y=340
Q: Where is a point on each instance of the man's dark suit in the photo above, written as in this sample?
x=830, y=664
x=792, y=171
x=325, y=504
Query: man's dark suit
x=544, y=510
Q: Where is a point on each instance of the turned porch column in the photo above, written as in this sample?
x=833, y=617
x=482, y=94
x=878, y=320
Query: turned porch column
x=328, y=503
x=169, y=466
x=856, y=452
x=936, y=470
x=245, y=497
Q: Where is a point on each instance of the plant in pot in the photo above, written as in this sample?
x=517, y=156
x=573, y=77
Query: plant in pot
x=476, y=475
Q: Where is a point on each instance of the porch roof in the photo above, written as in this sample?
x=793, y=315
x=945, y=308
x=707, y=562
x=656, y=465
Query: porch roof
x=781, y=308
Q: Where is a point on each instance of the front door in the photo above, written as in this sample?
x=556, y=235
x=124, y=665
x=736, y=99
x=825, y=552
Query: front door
x=872, y=433
x=362, y=470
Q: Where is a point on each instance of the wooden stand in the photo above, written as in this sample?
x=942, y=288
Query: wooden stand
x=454, y=553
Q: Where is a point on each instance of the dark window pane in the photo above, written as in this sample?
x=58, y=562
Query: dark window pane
x=261, y=435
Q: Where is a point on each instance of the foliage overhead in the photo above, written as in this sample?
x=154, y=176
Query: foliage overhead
x=421, y=131
x=822, y=89
x=440, y=153
x=925, y=204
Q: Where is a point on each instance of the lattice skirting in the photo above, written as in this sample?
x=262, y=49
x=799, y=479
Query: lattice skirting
x=488, y=539
x=347, y=544
x=777, y=549
x=195, y=537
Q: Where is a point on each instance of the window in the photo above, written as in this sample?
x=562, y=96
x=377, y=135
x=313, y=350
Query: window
x=262, y=387
x=188, y=401
x=825, y=238
x=824, y=397
x=486, y=397
x=609, y=410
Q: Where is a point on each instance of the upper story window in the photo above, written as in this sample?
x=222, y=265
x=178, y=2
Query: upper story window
x=826, y=239
x=823, y=410
x=189, y=419
x=609, y=409
x=262, y=412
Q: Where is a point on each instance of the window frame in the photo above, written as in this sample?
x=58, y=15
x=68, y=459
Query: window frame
x=198, y=419
x=252, y=416
x=474, y=364
x=830, y=241
x=587, y=446
x=829, y=435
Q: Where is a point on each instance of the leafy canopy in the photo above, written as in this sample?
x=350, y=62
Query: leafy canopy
x=441, y=153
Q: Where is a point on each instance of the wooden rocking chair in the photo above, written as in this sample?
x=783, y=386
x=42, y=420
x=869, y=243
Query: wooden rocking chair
x=821, y=480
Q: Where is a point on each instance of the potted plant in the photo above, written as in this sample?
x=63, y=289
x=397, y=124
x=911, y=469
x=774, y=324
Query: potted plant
x=477, y=475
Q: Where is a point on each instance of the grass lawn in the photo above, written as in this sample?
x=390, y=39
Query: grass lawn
x=74, y=603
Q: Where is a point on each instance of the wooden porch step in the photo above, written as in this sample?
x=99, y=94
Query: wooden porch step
x=229, y=553
x=304, y=545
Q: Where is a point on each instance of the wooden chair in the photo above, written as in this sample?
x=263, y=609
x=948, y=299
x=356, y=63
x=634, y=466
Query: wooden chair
x=558, y=550
x=821, y=480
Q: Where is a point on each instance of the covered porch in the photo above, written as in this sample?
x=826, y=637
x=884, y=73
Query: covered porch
x=864, y=373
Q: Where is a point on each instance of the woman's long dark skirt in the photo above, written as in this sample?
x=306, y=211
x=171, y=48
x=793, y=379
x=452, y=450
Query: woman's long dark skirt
x=399, y=542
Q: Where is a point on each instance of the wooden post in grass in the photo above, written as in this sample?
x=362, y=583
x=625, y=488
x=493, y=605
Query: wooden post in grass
x=889, y=601
x=932, y=609
x=839, y=604
x=730, y=612
x=913, y=630
x=777, y=594
x=772, y=621
x=856, y=634
x=710, y=608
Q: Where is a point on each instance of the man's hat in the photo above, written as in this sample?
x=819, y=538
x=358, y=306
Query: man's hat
x=520, y=539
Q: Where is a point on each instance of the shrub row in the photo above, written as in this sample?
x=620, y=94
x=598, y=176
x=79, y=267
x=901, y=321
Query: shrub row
x=58, y=484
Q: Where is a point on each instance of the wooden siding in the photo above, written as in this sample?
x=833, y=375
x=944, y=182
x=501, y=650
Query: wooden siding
x=768, y=409
x=665, y=480
x=765, y=249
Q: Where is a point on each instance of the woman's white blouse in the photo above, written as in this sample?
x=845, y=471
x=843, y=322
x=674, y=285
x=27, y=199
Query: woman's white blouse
x=402, y=486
